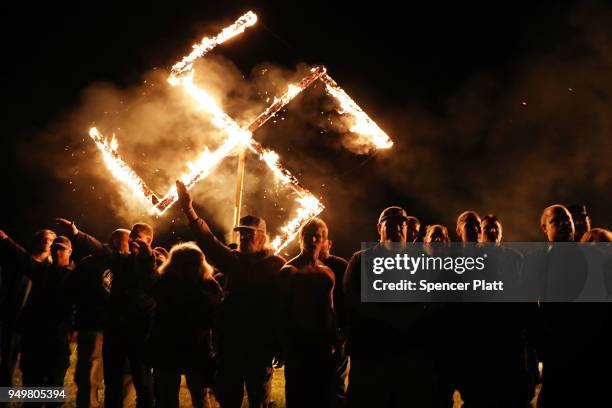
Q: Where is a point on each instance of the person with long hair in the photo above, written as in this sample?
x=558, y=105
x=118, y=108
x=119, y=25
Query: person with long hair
x=181, y=341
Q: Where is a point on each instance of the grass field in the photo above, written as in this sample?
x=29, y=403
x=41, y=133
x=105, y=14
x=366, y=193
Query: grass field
x=278, y=390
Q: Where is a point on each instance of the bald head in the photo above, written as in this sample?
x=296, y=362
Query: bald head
x=556, y=223
x=120, y=241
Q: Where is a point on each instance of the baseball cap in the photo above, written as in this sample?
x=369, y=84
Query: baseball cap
x=62, y=241
x=251, y=222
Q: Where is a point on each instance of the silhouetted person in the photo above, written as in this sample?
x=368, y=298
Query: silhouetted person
x=574, y=339
x=508, y=262
x=340, y=357
x=90, y=285
x=468, y=226
x=436, y=242
x=247, y=328
x=582, y=220
x=309, y=322
x=130, y=311
x=15, y=288
x=491, y=369
x=414, y=227
x=390, y=344
x=181, y=342
x=46, y=321
x=491, y=231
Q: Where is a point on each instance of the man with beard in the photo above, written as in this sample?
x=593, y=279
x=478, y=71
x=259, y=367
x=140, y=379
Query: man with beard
x=247, y=326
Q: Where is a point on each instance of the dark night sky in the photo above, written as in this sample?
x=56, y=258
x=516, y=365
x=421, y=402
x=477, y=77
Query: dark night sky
x=477, y=99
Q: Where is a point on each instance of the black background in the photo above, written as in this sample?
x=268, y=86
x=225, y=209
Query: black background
x=417, y=69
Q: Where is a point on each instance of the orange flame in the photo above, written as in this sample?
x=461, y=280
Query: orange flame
x=207, y=44
x=119, y=169
x=363, y=125
x=182, y=74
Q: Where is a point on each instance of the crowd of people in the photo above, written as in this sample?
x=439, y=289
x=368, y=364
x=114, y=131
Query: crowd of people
x=225, y=317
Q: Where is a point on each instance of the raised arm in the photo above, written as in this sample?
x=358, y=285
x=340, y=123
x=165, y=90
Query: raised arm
x=83, y=240
x=219, y=254
x=10, y=249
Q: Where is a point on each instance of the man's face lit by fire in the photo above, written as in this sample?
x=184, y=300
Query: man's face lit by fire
x=251, y=240
x=491, y=232
x=315, y=240
x=139, y=235
x=60, y=255
x=394, y=229
x=44, y=245
x=558, y=225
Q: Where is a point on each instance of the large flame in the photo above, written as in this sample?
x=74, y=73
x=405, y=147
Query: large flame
x=309, y=205
x=182, y=73
x=364, y=126
x=119, y=169
x=207, y=44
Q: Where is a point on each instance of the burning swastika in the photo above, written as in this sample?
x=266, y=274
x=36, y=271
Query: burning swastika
x=182, y=74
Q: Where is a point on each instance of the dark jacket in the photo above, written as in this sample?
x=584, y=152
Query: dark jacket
x=89, y=294
x=130, y=304
x=249, y=311
x=181, y=336
x=46, y=318
x=14, y=287
x=376, y=328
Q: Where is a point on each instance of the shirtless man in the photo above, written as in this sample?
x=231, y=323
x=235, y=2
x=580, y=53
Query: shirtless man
x=309, y=324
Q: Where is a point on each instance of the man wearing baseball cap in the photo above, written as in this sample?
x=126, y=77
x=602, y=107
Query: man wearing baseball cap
x=247, y=326
x=392, y=358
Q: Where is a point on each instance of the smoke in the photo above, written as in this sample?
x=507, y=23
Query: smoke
x=507, y=143
x=159, y=129
x=514, y=145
